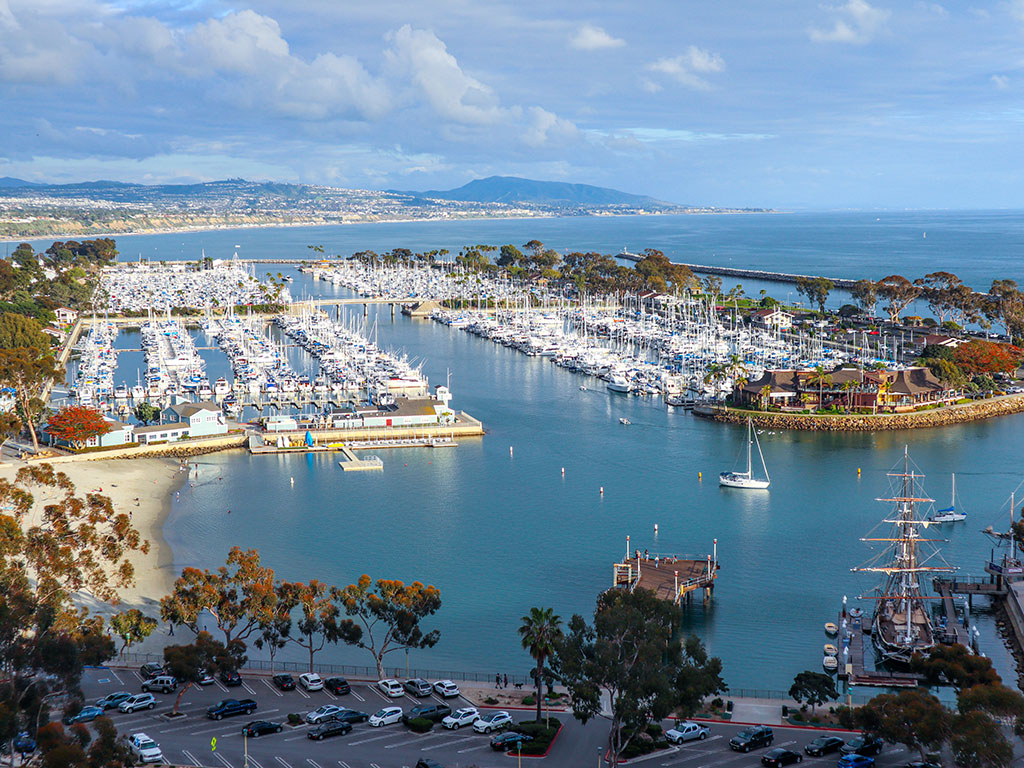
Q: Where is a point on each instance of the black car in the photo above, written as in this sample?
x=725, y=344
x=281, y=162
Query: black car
x=337, y=685
x=229, y=677
x=779, y=757
x=862, y=745
x=418, y=687
x=329, y=728
x=350, y=716
x=435, y=712
x=823, y=745
x=284, y=682
x=752, y=738
x=260, y=727
x=508, y=741
x=230, y=708
x=150, y=670
x=426, y=762
x=922, y=764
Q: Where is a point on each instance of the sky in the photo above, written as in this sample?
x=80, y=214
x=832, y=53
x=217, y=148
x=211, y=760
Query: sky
x=787, y=104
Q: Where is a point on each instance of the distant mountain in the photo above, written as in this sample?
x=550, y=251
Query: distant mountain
x=10, y=182
x=511, y=189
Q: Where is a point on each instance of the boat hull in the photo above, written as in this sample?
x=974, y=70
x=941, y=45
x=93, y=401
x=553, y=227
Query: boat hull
x=733, y=480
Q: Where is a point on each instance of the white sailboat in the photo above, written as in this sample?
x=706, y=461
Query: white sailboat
x=746, y=479
x=949, y=514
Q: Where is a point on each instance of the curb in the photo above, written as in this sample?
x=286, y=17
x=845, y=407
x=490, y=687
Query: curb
x=550, y=746
x=782, y=725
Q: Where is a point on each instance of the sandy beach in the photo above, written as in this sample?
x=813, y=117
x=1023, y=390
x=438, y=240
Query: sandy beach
x=153, y=483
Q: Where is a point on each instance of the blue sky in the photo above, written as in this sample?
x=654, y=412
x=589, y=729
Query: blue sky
x=786, y=104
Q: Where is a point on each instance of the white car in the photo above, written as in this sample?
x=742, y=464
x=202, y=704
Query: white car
x=144, y=749
x=446, y=689
x=493, y=721
x=320, y=714
x=386, y=716
x=461, y=717
x=138, y=701
x=311, y=681
x=391, y=688
x=687, y=731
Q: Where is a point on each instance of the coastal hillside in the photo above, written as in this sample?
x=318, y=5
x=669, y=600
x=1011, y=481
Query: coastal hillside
x=512, y=189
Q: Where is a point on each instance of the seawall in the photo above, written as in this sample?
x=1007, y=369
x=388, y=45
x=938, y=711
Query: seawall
x=937, y=417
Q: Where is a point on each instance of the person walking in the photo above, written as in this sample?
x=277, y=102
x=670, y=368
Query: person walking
x=497, y=680
x=506, y=681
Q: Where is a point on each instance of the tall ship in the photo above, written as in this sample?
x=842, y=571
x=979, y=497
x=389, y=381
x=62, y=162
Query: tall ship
x=902, y=624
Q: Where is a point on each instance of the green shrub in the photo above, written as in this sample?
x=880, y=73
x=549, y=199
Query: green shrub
x=294, y=719
x=420, y=724
x=529, y=701
x=490, y=700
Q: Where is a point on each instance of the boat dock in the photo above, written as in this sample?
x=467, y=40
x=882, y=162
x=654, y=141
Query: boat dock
x=852, y=641
x=670, y=577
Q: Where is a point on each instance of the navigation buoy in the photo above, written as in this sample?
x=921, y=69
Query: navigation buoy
x=602, y=490
x=858, y=471
x=563, y=471
x=293, y=481
x=700, y=475
x=510, y=451
x=655, y=528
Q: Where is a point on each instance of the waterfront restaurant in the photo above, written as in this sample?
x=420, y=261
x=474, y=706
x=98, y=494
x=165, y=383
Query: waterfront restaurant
x=849, y=389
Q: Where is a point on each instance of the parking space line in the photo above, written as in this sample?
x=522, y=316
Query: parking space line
x=473, y=749
x=250, y=690
x=189, y=756
x=282, y=762
x=220, y=685
x=450, y=743
x=113, y=674
x=378, y=693
x=358, y=696
x=312, y=762
x=294, y=738
x=254, y=761
x=375, y=738
x=330, y=695
x=306, y=695
x=374, y=765
x=221, y=758
x=343, y=764
x=418, y=740
x=274, y=689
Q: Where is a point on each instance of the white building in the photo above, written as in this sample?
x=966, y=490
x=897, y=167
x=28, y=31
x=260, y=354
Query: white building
x=772, y=318
x=201, y=419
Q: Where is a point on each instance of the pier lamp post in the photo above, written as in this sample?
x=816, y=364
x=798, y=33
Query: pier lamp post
x=245, y=747
x=519, y=752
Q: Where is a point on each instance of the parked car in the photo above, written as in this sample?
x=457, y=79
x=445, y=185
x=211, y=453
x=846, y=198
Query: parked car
x=862, y=745
x=329, y=728
x=24, y=743
x=687, y=731
x=230, y=678
x=426, y=762
x=260, y=727
x=351, y=716
x=205, y=678
x=461, y=717
x=386, y=716
x=417, y=687
x=230, y=708
x=284, y=681
x=922, y=764
x=84, y=715
x=435, y=712
x=752, y=738
x=144, y=749
x=150, y=669
x=162, y=683
x=507, y=742
x=113, y=700
x=492, y=721
x=322, y=713
x=823, y=745
x=136, y=702
x=311, y=681
x=391, y=688
x=337, y=685
x=446, y=689
x=856, y=761
x=778, y=757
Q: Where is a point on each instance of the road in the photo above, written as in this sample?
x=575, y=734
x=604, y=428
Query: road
x=188, y=741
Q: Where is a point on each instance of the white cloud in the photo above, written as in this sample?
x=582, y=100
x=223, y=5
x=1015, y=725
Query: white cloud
x=1002, y=82
x=1016, y=8
x=857, y=23
x=687, y=68
x=591, y=38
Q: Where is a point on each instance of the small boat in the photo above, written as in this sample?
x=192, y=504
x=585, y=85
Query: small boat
x=831, y=650
x=856, y=613
x=830, y=663
x=746, y=479
x=582, y=388
x=624, y=420
x=831, y=629
x=620, y=384
x=949, y=514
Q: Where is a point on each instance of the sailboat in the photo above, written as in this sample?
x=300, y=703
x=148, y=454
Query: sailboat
x=746, y=479
x=902, y=625
x=949, y=514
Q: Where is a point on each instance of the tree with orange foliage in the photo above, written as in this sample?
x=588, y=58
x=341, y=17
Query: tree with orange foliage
x=979, y=356
x=387, y=617
x=77, y=424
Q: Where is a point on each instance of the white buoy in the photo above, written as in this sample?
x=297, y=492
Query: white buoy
x=655, y=528
x=293, y=481
x=563, y=471
x=602, y=490
x=510, y=450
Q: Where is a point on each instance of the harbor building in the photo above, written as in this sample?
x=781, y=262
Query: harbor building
x=201, y=419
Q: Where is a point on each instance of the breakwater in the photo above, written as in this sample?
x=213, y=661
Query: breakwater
x=752, y=274
x=937, y=417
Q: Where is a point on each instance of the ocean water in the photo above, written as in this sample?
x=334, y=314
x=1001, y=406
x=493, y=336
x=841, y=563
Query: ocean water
x=500, y=532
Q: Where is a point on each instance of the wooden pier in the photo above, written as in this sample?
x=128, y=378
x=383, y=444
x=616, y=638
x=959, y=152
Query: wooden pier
x=853, y=639
x=670, y=577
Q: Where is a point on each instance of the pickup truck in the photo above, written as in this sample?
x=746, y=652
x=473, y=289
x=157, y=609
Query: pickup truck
x=229, y=707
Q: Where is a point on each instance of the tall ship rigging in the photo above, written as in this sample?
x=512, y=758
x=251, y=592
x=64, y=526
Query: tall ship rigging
x=902, y=624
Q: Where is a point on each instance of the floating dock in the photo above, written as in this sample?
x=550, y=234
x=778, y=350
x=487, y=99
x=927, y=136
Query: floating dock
x=670, y=577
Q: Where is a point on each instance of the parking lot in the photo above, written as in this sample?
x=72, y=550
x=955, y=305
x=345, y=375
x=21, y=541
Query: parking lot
x=189, y=741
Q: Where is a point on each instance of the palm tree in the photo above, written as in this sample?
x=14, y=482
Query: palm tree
x=848, y=387
x=766, y=393
x=820, y=377
x=539, y=631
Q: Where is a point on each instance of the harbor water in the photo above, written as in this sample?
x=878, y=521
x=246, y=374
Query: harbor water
x=499, y=531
